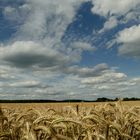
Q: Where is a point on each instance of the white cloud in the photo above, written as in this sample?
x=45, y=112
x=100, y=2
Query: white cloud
x=116, y=12
x=75, y=50
x=55, y=85
x=7, y=73
x=117, y=7
x=48, y=19
x=8, y=10
x=45, y=23
x=86, y=71
x=16, y=14
x=82, y=46
x=25, y=84
x=133, y=15
x=38, y=65
x=130, y=40
x=109, y=24
x=109, y=77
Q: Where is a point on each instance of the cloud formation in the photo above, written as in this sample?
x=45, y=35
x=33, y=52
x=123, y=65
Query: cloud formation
x=36, y=62
x=109, y=24
x=48, y=19
x=81, y=46
x=130, y=40
x=27, y=54
x=110, y=7
x=107, y=77
x=86, y=71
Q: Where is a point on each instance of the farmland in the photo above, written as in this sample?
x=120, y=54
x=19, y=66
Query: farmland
x=58, y=106
x=70, y=121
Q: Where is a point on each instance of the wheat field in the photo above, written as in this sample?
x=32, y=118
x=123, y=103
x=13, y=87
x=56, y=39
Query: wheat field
x=70, y=121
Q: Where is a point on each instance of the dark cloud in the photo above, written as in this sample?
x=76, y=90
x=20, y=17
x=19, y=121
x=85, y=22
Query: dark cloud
x=28, y=59
x=28, y=54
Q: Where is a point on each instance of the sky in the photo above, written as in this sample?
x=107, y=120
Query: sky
x=69, y=49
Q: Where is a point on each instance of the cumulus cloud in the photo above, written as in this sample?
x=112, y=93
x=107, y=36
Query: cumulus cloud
x=116, y=12
x=7, y=73
x=28, y=53
x=45, y=23
x=4, y=75
x=130, y=41
x=86, y=71
x=50, y=85
x=25, y=84
x=109, y=24
x=132, y=15
x=79, y=45
x=76, y=49
x=39, y=64
x=25, y=54
x=112, y=84
x=110, y=7
x=109, y=77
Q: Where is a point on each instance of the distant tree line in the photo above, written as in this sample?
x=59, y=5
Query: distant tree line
x=116, y=99
x=103, y=99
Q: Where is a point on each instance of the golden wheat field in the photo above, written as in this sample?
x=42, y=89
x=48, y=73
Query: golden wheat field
x=70, y=121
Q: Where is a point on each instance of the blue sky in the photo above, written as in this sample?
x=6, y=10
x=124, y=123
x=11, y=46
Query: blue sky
x=74, y=49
